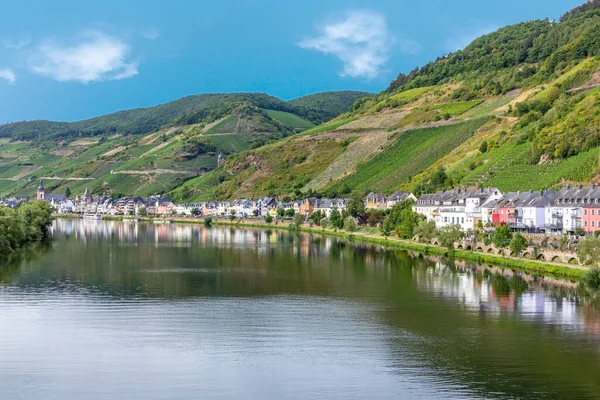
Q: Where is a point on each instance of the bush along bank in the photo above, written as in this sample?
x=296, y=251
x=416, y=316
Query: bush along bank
x=29, y=222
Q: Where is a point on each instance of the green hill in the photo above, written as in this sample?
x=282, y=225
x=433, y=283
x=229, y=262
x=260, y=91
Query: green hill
x=145, y=151
x=204, y=108
x=518, y=108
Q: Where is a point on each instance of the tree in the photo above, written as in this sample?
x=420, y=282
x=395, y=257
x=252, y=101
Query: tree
x=356, y=207
x=484, y=147
x=589, y=250
x=401, y=219
x=27, y=223
x=324, y=222
x=268, y=219
x=280, y=212
x=375, y=217
x=316, y=217
x=68, y=192
x=592, y=278
x=335, y=219
x=518, y=244
x=298, y=220
x=448, y=235
x=232, y=215
x=142, y=212
x=208, y=221
x=425, y=230
x=290, y=213
x=35, y=218
x=502, y=237
x=349, y=224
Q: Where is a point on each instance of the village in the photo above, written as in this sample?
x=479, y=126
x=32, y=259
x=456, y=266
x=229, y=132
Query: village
x=572, y=210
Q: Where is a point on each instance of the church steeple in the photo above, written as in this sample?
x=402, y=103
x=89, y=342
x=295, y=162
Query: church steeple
x=41, y=192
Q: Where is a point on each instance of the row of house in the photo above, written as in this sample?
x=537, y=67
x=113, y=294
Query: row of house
x=88, y=204
x=571, y=210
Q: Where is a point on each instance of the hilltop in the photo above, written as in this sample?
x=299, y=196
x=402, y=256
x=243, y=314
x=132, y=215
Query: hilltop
x=153, y=150
x=517, y=109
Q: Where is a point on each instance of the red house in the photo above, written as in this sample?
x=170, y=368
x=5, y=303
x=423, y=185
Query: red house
x=590, y=218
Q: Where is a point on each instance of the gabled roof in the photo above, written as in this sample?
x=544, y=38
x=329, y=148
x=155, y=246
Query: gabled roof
x=578, y=196
x=55, y=197
x=398, y=196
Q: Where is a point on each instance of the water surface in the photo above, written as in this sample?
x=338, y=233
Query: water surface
x=141, y=311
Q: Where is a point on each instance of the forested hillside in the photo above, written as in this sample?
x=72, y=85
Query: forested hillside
x=152, y=150
x=199, y=109
x=518, y=108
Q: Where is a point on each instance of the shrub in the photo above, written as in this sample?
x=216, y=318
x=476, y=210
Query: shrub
x=518, y=243
x=268, y=219
x=208, y=221
x=448, y=235
x=349, y=224
x=484, y=147
x=502, y=237
x=589, y=250
x=298, y=220
x=425, y=230
x=592, y=278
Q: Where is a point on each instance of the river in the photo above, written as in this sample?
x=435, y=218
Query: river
x=113, y=310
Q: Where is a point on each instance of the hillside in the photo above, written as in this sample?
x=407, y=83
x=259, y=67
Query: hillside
x=204, y=108
x=518, y=109
x=151, y=150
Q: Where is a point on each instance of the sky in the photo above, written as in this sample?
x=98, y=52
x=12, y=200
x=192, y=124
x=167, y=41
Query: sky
x=68, y=60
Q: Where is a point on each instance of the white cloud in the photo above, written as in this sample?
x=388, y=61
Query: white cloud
x=151, y=33
x=462, y=40
x=8, y=75
x=361, y=41
x=16, y=44
x=96, y=57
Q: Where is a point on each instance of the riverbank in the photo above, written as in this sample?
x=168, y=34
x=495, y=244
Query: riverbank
x=525, y=265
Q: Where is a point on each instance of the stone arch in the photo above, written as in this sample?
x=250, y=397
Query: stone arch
x=468, y=247
x=460, y=247
x=479, y=248
x=490, y=250
x=555, y=259
x=541, y=257
x=526, y=255
x=573, y=260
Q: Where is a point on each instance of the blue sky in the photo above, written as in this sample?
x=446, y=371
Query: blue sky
x=69, y=60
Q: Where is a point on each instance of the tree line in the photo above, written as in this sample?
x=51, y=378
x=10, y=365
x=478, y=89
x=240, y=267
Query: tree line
x=27, y=223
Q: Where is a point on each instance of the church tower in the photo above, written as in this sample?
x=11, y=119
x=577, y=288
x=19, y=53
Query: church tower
x=41, y=193
x=220, y=159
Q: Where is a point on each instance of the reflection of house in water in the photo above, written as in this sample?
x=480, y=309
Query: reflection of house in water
x=458, y=284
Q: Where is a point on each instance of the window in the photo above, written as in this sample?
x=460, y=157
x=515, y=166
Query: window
x=463, y=220
x=585, y=212
x=593, y=224
x=585, y=224
x=593, y=212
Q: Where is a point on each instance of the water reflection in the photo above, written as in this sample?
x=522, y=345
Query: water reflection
x=243, y=313
x=488, y=289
